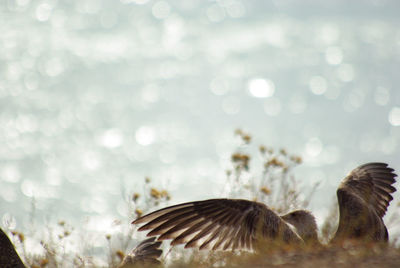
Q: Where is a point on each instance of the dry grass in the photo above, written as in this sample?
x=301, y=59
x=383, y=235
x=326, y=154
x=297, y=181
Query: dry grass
x=350, y=256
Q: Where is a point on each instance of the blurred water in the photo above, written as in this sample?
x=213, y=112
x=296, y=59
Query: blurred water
x=95, y=95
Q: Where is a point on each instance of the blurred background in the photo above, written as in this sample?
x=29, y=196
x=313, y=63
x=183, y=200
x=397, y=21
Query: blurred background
x=96, y=95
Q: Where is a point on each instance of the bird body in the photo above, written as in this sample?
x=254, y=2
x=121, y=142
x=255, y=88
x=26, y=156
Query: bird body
x=363, y=198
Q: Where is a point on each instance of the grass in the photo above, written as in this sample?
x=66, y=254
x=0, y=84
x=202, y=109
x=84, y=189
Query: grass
x=350, y=256
x=274, y=183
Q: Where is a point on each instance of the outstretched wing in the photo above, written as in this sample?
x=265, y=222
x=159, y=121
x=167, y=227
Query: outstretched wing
x=216, y=224
x=146, y=253
x=364, y=196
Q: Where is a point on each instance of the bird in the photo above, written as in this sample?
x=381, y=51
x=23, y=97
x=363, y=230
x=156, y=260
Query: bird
x=228, y=224
x=363, y=197
x=145, y=253
x=9, y=257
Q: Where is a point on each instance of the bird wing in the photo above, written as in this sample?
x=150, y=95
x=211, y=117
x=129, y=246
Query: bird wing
x=146, y=253
x=216, y=224
x=363, y=197
x=147, y=249
x=8, y=256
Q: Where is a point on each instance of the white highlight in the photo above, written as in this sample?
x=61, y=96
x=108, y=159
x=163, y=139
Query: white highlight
x=145, y=135
x=394, y=116
x=261, y=88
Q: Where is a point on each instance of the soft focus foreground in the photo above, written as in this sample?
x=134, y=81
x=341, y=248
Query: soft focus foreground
x=330, y=257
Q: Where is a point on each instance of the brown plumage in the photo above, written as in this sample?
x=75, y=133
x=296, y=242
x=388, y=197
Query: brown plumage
x=217, y=224
x=363, y=197
x=234, y=223
x=8, y=256
x=305, y=225
x=145, y=254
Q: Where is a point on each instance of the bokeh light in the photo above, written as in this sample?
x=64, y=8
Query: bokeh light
x=394, y=116
x=261, y=88
x=97, y=94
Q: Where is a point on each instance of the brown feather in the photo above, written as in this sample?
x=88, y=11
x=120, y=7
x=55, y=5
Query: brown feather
x=216, y=223
x=364, y=196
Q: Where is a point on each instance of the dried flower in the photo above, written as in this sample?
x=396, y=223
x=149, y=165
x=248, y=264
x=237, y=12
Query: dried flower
x=138, y=212
x=135, y=197
x=274, y=162
x=44, y=262
x=156, y=194
x=246, y=138
x=241, y=159
x=21, y=236
x=165, y=194
x=265, y=190
x=296, y=159
x=120, y=254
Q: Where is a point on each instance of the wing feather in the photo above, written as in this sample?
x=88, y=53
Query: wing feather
x=363, y=197
x=146, y=253
x=214, y=223
x=222, y=238
x=148, y=248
